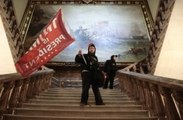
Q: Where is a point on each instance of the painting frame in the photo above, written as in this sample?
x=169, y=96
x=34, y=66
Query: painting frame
x=147, y=17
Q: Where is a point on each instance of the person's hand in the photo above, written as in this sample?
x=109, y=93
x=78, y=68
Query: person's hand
x=105, y=75
x=79, y=52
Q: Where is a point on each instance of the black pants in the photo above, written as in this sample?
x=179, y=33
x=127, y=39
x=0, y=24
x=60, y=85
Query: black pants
x=109, y=80
x=87, y=80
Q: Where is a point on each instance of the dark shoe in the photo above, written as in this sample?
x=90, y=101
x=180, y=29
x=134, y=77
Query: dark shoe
x=100, y=103
x=83, y=104
x=104, y=87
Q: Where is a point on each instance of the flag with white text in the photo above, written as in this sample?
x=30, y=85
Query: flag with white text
x=53, y=39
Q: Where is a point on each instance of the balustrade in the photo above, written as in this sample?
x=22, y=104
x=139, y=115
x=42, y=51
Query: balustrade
x=162, y=96
x=15, y=89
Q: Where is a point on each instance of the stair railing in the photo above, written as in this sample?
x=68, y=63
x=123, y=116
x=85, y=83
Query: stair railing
x=162, y=96
x=14, y=89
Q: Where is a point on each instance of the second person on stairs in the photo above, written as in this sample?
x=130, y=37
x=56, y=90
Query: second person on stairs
x=110, y=69
x=89, y=64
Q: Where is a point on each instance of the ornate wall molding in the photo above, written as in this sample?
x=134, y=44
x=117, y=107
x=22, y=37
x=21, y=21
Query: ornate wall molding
x=11, y=28
x=159, y=31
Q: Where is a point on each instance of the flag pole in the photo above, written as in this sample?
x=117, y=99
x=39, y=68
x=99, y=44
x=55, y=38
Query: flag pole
x=84, y=59
x=77, y=44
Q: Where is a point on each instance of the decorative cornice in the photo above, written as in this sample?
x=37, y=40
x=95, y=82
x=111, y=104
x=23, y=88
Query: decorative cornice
x=87, y=1
x=28, y=16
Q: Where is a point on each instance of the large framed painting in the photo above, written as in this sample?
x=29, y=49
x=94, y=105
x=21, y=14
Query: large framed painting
x=115, y=30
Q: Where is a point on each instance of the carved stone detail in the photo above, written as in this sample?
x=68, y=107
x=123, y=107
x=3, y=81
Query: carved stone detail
x=87, y=1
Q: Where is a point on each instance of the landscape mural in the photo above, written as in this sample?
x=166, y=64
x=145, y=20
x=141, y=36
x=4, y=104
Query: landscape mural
x=114, y=29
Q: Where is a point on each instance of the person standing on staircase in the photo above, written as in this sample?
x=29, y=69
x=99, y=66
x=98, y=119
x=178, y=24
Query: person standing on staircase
x=89, y=65
x=110, y=71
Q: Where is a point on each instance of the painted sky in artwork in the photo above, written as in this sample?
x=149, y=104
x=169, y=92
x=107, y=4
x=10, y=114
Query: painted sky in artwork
x=114, y=29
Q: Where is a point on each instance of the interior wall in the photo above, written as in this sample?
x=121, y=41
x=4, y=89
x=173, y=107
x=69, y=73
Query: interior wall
x=6, y=59
x=170, y=62
x=153, y=5
x=19, y=8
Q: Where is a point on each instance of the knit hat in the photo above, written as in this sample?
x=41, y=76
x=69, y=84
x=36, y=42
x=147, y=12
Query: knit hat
x=91, y=45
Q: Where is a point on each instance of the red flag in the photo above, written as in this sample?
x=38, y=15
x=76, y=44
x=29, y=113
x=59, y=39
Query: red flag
x=53, y=39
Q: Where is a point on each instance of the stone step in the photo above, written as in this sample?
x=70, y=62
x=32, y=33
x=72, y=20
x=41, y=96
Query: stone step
x=80, y=89
x=78, y=98
x=80, y=112
x=79, y=92
x=26, y=117
x=38, y=101
x=77, y=106
x=78, y=95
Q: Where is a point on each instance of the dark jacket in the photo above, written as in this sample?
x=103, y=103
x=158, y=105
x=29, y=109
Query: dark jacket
x=91, y=62
x=110, y=68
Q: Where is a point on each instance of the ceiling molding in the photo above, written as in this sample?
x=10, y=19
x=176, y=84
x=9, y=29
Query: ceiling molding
x=84, y=0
